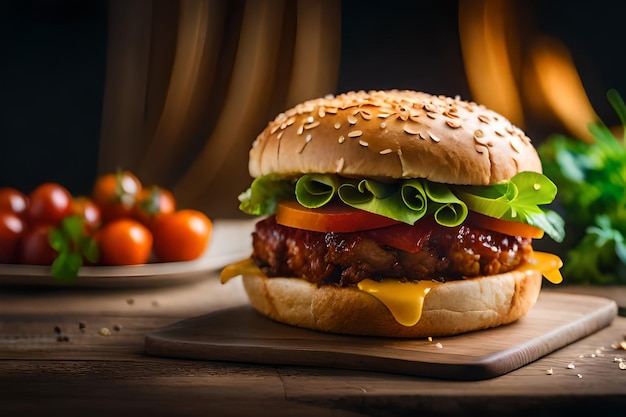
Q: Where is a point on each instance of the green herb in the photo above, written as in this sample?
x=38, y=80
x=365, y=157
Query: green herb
x=72, y=246
x=592, y=191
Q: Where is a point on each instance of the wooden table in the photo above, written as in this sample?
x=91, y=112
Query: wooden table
x=55, y=360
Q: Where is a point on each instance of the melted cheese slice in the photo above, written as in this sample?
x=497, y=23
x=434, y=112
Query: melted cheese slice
x=548, y=264
x=243, y=267
x=405, y=300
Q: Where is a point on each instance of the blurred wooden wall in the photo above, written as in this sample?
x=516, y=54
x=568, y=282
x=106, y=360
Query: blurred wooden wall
x=190, y=84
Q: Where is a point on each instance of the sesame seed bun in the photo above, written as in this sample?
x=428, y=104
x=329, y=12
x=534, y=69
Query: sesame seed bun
x=394, y=134
x=449, y=309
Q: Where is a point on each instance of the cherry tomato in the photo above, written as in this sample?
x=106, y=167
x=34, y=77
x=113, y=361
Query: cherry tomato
x=89, y=211
x=504, y=226
x=35, y=246
x=152, y=202
x=115, y=194
x=329, y=218
x=13, y=200
x=49, y=203
x=124, y=242
x=12, y=228
x=181, y=236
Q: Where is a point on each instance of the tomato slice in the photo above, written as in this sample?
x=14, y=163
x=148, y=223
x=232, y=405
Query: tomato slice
x=329, y=218
x=504, y=226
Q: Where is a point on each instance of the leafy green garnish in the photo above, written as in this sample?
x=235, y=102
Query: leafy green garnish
x=264, y=193
x=410, y=200
x=592, y=183
x=72, y=246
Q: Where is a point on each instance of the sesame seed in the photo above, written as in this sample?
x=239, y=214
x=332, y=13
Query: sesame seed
x=411, y=130
x=383, y=125
x=339, y=164
x=385, y=151
x=280, y=135
x=363, y=143
x=355, y=134
x=310, y=119
x=478, y=134
x=431, y=116
x=104, y=332
x=312, y=125
x=483, y=118
x=434, y=138
x=454, y=124
x=321, y=112
x=274, y=128
x=352, y=120
x=341, y=139
x=300, y=129
x=384, y=115
x=291, y=121
x=306, y=141
x=366, y=115
x=423, y=136
x=514, y=146
x=337, y=125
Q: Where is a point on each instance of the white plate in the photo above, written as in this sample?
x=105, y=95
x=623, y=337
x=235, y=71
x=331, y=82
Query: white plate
x=230, y=243
x=149, y=275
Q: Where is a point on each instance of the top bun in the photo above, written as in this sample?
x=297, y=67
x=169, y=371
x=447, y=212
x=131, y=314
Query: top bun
x=392, y=135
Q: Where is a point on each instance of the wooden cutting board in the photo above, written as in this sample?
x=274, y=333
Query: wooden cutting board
x=241, y=335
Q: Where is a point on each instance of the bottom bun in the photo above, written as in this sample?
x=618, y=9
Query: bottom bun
x=449, y=309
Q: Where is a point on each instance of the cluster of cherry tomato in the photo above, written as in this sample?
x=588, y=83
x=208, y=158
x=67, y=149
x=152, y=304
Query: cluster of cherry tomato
x=130, y=224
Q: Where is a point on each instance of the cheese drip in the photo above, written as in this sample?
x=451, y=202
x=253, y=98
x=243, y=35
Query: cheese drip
x=405, y=300
x=243, y=267
x=548, y=264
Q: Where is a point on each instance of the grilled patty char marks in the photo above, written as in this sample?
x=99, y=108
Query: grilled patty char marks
x=439, y=253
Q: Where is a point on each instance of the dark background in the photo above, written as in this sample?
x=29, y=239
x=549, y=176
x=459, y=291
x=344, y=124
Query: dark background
x=53, y=54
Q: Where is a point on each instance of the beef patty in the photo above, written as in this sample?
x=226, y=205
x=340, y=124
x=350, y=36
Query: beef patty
x=428, y=251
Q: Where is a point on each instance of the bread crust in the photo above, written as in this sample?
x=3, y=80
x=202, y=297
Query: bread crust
x=391, y=135
x=452, y=308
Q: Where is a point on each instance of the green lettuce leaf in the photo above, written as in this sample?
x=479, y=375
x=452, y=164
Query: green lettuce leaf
x=264, y=194
x=410, y=200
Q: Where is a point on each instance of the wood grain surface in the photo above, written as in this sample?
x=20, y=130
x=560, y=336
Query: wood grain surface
x=241, y=335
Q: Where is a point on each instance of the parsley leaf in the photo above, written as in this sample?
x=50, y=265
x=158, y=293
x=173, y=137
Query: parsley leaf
x=73, y=246
x=592, y=184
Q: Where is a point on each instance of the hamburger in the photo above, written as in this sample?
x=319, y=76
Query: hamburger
x=397, y=214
